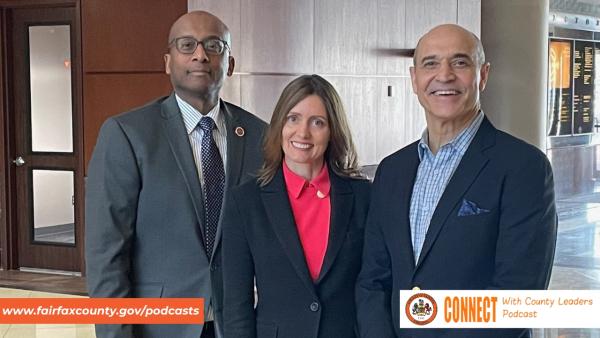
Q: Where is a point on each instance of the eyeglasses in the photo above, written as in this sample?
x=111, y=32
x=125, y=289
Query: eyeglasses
x=188, y=45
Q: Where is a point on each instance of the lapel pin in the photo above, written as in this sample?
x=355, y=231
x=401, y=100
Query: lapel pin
x=239, y=131
x=320, y=194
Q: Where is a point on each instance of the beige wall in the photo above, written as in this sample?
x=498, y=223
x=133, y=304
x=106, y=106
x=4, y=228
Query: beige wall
x=346, y=42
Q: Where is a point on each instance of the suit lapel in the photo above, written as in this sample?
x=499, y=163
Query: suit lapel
x=235, y=156
x=342, y=201
x=401, y=226
x=470, y=166
x=279, y=212
x=235, y=145
x=182, y=151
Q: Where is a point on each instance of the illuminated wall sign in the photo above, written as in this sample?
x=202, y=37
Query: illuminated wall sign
x=560, y=96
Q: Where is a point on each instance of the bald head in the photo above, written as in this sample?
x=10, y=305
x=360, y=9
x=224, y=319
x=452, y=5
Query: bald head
x=452, y=30
x=448, y=75
x=188, y=20
x=197, y=76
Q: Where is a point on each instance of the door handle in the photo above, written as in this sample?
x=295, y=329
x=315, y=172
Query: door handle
x=19, y=161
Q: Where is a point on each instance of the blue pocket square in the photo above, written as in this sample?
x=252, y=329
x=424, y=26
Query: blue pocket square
x=469, y=208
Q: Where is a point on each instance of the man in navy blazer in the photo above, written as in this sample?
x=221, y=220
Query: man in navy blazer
x=466, y=207
x=146, y=229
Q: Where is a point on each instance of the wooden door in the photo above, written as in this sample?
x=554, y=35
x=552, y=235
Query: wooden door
x=45, y=154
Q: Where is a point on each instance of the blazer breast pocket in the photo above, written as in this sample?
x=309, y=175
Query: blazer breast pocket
x=471, y=208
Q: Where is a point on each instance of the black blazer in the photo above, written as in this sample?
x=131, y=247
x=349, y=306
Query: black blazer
x=506, y=242
x=260, y=241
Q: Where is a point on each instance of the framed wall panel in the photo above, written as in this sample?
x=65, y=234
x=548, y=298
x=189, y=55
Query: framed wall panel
x=422, y=15
x=391, y=34
x=261, y=92
x=230, y=91
x=415, y=119
x=360, y=97
x=345, y=36
x=394, y=126
x=277, y=36
x=469, y=15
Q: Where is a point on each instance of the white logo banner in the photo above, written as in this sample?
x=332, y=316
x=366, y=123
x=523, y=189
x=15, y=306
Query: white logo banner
x=500, y=309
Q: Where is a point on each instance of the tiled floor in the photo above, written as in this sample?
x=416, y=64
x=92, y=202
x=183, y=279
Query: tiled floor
x=577, y=258
x=41, y=331
x=72, y=285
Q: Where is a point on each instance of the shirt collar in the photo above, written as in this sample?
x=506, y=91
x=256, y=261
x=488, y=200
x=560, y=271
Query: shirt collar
x=191, y=116
x=460, y=142
x=296, y=183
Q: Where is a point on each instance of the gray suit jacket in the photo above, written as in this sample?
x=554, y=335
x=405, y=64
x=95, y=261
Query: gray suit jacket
x=144, y=211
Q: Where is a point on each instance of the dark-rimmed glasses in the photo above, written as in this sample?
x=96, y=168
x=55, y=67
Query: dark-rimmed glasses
x=188, y=45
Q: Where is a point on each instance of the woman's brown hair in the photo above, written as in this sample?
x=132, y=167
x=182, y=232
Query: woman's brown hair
x=340, y=155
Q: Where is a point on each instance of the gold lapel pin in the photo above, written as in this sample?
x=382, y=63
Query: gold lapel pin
x=239, y=131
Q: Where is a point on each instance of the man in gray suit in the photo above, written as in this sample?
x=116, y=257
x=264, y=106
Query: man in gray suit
x=156, y=183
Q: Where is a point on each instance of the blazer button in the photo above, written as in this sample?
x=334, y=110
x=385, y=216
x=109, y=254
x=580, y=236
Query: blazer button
x=416, y=288
x=314, y=306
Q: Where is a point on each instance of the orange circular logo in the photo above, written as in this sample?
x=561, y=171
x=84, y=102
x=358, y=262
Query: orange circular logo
x=421, y=309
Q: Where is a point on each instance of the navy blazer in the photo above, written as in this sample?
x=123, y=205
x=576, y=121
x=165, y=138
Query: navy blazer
x=144, y=211
x=493, y=228
x=260, y=241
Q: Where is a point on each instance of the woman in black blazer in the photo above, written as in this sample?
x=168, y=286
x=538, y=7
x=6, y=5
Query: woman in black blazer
x=297, y=230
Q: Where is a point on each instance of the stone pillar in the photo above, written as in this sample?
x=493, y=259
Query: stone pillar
x=514, y=34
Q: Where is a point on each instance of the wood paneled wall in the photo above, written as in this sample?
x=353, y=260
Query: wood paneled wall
x=343, y=40
x=123, y=46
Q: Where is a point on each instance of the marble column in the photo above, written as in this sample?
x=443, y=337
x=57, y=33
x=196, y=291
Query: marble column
x=515, y=38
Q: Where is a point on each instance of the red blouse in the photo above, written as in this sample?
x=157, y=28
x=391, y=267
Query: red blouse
x=311, y=206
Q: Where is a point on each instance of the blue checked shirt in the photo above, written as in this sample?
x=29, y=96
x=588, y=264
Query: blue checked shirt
x=433, y=175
